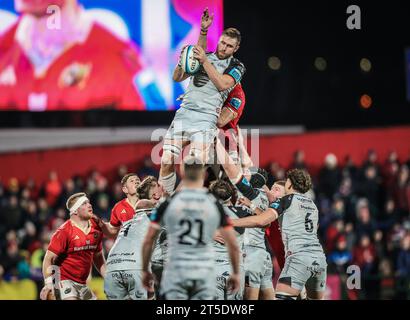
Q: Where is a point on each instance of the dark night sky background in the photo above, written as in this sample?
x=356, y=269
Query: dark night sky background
x=298, y=93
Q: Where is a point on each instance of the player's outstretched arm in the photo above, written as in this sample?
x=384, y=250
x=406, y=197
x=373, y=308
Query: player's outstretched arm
x=48, y=261
x=248, y=203
x=147, y=246
x=231, y=243
x=246, y=160
x=257, y=221
x=206, y=21
x=107, y=229
x=232, y=170
x=99, y=263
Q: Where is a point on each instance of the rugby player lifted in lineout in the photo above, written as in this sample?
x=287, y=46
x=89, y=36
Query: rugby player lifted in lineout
x=195, y=122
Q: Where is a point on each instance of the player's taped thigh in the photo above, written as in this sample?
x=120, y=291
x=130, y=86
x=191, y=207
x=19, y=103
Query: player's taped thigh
x=201, y=143
x=200, y=151
x=171, y=152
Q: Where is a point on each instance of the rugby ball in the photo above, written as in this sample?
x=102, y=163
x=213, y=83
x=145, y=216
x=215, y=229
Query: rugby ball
x=189, y=64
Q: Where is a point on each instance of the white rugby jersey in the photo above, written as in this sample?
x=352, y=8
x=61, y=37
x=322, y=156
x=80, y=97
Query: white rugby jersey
x=202, y=100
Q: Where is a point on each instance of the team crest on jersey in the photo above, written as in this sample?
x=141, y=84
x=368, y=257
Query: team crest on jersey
x=87, y=241
x=76, y=74
x=235, y=74
x=236, y=103
x=275, y=205
x=95, y=235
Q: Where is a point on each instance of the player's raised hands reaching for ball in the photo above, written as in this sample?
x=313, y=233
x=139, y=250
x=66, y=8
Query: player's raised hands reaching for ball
x=206, y=20
x=199, y=53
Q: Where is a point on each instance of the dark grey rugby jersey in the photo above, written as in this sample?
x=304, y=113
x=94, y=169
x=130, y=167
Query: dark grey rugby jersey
x=233, y=212
x=298, y=220
x=202, y=95
x=254, y=236
x=191, y=217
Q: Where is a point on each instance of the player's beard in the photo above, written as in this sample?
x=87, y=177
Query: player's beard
x=221, y=55
x=88, y=215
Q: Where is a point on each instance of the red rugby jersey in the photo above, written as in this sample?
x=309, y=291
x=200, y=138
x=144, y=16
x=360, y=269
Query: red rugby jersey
x=275, y=240
x=235, y=102
x=121, y=213
x=75, y=250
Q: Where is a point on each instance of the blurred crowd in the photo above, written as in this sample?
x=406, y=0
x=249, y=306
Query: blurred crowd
x=364, y=218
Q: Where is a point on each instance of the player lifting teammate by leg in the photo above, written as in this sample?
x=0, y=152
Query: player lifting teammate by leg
x=226, y=193
x=298, y=216
x=258, y=261
x=195, y=123
x=191, y=217
x=150, y=194
x=124, y=267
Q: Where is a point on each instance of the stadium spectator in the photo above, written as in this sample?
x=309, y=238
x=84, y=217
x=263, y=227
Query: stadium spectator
x=390, y=171
x=52, y=189
x=349, y=169
x=13, y=187
x=102, y=209
x=388, y=216
x=333, y=233
x=12, y=214
x=147, y=169
x=369, y=186
x=366, y=225
x=350, y=236
x=403, y=259
x=299, y=160
x=44, y=210
x=401, y=191
x=329, y=176
x=371, y=160
x=364, y=253
x=387, y=281
x=340, y=258
x=276, y=173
